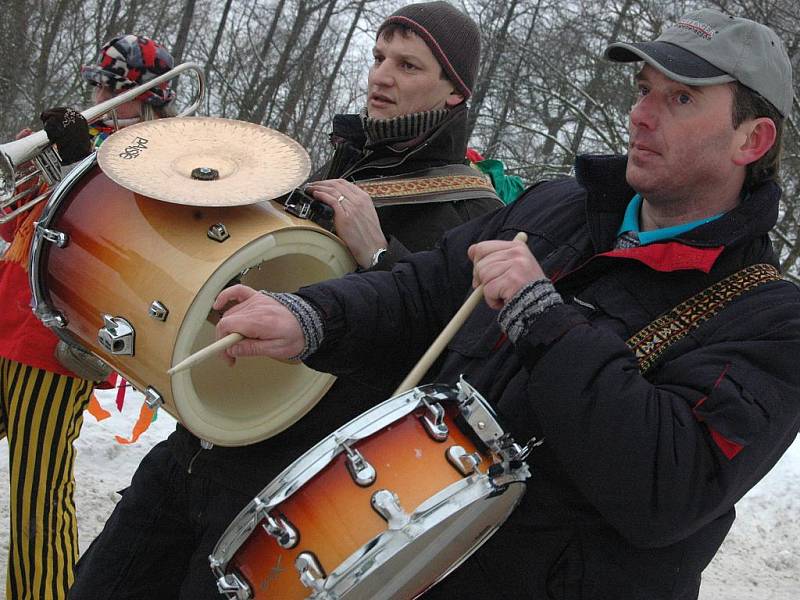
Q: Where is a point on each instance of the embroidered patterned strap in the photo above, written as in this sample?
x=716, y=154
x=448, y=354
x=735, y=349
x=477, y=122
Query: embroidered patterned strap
x=425, y=185
x=438, y=184
x=651, y=342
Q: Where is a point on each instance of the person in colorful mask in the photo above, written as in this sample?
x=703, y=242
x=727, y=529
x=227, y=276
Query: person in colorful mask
x=126, y=62
x=45, y=384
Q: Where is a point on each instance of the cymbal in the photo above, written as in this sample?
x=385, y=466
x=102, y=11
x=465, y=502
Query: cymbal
x=204, y=161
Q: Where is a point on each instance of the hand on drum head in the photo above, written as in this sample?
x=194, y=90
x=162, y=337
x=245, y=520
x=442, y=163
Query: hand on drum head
x=354, y=217
x=503, y=268
x=269, y=328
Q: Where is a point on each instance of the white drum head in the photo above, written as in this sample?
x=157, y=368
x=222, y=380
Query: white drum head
x=258, y=397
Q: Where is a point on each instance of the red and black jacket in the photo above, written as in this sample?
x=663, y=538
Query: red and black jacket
x=633, y=490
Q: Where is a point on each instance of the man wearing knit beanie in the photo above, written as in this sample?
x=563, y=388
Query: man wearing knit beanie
x=425, y=66
x=452, y=37
x=398, y=179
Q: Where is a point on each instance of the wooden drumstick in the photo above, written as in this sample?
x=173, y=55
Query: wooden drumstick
x=221, y=344
x=438, y=345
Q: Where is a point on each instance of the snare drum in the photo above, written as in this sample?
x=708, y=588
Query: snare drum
x=133, y=279
x=382, y=508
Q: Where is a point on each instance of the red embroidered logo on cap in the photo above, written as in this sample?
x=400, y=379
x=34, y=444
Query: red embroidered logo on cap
x=697, y=27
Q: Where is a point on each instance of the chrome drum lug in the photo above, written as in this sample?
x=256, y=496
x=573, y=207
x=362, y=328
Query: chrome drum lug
x=284, y=532
x=465, y=463
x=218, y=232
x=233, y=588
x=158, y=311
x=311, y=572
x=152, y=398
x=361, y=471
x=59, y=238
x=387, y=504
x=433, y=421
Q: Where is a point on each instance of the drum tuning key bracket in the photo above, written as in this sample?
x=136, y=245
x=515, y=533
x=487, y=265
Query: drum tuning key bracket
x=277, y=527
x=433, y=421
x=363, y=473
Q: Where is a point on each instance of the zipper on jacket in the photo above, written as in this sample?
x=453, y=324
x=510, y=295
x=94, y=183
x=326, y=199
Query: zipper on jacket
x=359, y=166
x=196, y=454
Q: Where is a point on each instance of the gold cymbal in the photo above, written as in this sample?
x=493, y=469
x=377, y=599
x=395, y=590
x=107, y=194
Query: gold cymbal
x=204, y=161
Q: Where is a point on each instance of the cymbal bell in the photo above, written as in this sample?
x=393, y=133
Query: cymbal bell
x=204, y=161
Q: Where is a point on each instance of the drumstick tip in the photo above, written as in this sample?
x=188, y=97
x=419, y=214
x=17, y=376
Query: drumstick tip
x=204, y=353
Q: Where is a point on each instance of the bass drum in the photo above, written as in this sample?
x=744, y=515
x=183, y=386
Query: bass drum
x=133, y=279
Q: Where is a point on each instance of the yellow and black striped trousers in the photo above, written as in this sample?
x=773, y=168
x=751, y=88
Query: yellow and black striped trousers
x=41, y=413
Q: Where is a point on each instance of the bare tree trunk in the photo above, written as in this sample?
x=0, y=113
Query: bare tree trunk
x=41, y=79
x=597, y=79
x=307, y=60
x=260, y=78
x=131, y=16
x=266, y=100
x=498, y=47
x=183, y=31
x=326, y=92
x=13, y=31
x=112, y=22
x=510, y=89
x=187, y=16
x=161, y=23
x=212, y=53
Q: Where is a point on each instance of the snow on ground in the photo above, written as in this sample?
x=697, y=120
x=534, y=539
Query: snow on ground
x=760, y=559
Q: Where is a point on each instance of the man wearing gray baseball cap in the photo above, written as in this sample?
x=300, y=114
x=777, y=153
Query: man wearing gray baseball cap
x=642, y=338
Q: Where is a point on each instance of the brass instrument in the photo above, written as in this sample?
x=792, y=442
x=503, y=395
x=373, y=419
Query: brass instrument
x=37, y=147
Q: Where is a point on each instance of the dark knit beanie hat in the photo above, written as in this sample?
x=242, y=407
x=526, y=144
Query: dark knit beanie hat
x=451, y=35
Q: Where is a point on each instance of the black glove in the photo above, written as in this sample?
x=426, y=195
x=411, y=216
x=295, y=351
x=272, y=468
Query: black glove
x=67, y=129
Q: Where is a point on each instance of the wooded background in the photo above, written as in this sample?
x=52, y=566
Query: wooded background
x=544, y=92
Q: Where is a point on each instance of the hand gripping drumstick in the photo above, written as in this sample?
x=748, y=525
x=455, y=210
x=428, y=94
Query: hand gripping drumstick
x=411, y=379
x=221, y=344
x=432, y=353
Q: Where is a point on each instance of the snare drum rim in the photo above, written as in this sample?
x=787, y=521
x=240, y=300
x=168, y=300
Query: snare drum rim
x=42, y=306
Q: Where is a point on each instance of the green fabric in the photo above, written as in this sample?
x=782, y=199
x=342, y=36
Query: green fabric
x=508, y=187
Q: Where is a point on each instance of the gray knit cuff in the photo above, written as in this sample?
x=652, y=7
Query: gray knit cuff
x=309, y=318
x=524, y=308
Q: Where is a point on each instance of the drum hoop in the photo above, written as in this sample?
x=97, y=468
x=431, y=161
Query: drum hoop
x=42, y=306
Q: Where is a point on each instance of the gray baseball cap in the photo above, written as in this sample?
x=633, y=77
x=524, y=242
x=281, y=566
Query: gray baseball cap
x=706, y=47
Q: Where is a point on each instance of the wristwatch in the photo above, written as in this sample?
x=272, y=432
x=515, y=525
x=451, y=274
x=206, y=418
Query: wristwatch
x=376, y=257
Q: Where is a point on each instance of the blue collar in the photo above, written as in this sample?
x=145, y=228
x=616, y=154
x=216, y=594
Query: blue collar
x=631, y=223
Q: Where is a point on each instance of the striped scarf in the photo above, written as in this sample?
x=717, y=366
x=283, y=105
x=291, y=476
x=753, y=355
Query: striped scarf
x=401, y=128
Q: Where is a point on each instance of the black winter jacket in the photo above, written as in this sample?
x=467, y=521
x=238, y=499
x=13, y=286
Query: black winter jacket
x=634, y=488
x=408, y=228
